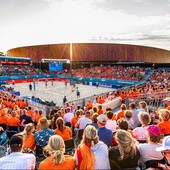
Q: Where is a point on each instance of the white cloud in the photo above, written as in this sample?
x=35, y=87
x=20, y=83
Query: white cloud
x=51, y=21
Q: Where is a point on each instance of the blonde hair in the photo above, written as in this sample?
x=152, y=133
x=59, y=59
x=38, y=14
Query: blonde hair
x=164, y=114
x=143, y=104
x=90, y=135
x=29, y=128
x=43, y=123
x=144, y=118
x=126, y=144
x=56, y=147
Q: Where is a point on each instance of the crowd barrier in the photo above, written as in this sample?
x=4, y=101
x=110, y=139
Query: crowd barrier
x=110, y=104
x=154, y=101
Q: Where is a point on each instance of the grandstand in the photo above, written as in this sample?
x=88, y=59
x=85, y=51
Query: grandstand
x=105, y=78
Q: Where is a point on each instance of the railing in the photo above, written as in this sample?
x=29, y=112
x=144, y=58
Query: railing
x=154, y=101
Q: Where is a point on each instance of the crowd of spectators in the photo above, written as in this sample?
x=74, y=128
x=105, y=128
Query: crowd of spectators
x=126, y=139
x=133, y=73
x=119, y=139
x=12, y=70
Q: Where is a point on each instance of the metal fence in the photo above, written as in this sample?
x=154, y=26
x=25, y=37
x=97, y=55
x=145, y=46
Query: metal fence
x=154, y=101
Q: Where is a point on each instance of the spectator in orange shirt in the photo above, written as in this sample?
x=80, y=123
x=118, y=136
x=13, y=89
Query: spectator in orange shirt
x=3, y=118
x=17, y=110
x=62, y=130
x=75, y=118
x=100, y=110
x=56, y=158
x=13, y=120
x=89, y=105
x=13, y=103
x=38, y=116
x=4, y=111
x=101, y=100
x=18, y=102
x=121, y=114
x=164, y=125
x=22, y=104
x=28, y=137
x=31, y=113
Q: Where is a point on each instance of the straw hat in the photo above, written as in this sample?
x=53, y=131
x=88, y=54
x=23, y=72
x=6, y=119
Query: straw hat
x=43, y=123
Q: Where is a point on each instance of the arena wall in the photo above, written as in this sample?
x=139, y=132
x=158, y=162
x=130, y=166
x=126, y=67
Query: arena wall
x=93, y=52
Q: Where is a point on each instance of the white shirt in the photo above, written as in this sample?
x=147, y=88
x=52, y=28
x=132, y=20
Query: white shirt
x=148, y=152
x=101, y=154
x=18, y=160
x=68, y=117
x=83, y=121
x=111, y=124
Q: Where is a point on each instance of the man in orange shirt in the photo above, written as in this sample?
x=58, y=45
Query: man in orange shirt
x=31, y=113
x=38, y=116
x=13, y=120
x=89, y=105
x=3, y=118
x=22, y=104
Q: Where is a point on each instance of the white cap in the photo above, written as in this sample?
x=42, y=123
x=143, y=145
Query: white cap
x=165, y=144
x=166, y=99
x=102, y=118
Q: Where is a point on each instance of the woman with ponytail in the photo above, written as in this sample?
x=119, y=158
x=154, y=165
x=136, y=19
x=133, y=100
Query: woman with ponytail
x=91, y=153
x=62, y=130
x=28, y=137
x=56, y=158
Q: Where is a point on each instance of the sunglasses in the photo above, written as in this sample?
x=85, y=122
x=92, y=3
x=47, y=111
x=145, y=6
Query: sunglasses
x=165, y=152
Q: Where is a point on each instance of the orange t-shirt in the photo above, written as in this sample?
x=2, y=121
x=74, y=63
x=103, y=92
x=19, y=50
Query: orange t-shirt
x=13, y=105
x=114, y=117
x=13, y=121
x=22, y=105
x=88, y=106
x=31, y=114
x=100, y=112
x=4, y=119
x=74, y=120
x=29, y=142
x=37, y=117
x=168, y=107
x=164, y=126
x=48, y=163
x=66, y=134
x=120, y=114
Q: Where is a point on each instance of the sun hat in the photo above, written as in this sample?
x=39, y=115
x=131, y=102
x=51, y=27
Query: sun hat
x=102, y=118
x=154, y=130
x=165, y=144
x=43, y=123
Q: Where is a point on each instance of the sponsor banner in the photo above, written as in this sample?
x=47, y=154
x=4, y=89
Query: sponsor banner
x=106, y=85
x=15, y=62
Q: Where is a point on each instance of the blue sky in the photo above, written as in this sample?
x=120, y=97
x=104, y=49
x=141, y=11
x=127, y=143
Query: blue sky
x=35, y=22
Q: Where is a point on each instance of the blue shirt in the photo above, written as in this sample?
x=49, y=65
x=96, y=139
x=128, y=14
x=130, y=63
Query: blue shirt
x=105, y=135
x=43, y=136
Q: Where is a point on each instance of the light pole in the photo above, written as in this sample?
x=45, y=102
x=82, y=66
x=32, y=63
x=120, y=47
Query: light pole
x=71, y=54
